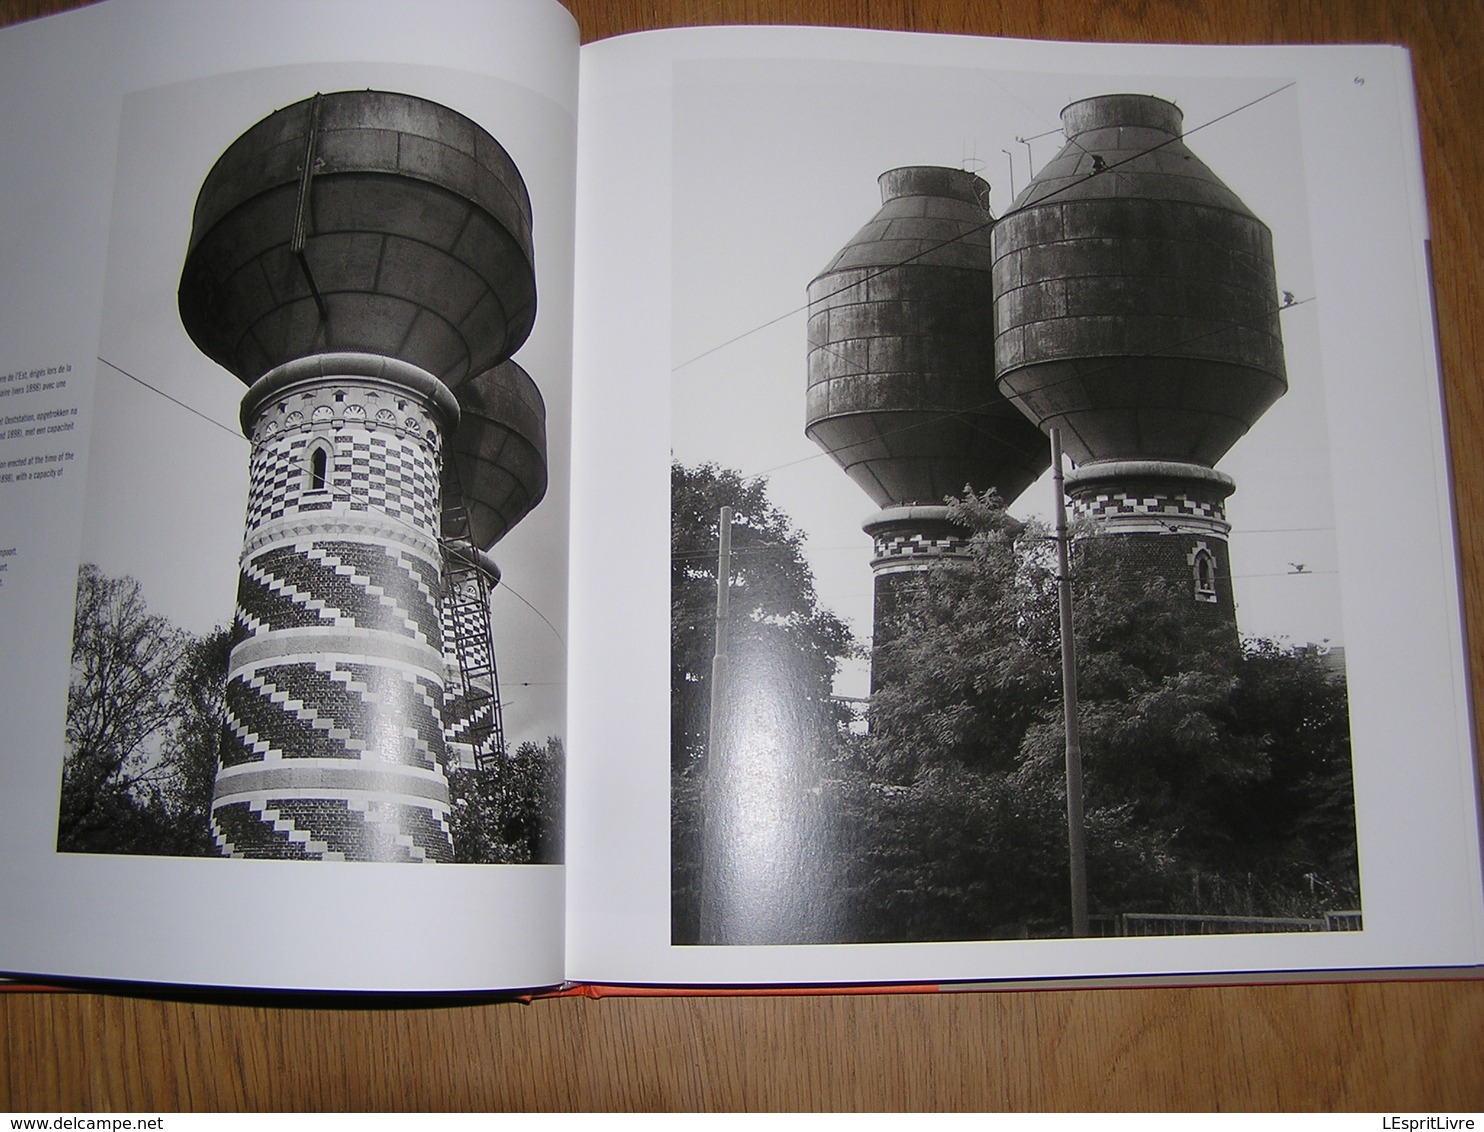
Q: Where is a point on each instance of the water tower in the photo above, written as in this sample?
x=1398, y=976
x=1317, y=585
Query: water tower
x=1136, y=309
x=901, y=372
x=362, y=262
x=494, y=474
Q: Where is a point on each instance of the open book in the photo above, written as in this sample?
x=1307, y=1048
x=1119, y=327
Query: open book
x=383, y=394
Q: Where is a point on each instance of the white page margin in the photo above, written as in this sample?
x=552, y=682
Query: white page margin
x=345, y=927
x=1417, y=818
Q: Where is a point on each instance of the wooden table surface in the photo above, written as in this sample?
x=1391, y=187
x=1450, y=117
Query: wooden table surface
x=1379, y=1046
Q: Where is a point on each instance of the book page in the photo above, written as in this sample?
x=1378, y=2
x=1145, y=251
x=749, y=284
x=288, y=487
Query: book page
x=316, y=706
x=794, y=834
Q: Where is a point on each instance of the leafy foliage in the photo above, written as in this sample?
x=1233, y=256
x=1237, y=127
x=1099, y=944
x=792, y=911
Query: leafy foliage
x=960, y=854
x=777, y=628
x=1217, y=779
x=756, y=810
x=143, y=714
x=511, y=815
x=1217, y=775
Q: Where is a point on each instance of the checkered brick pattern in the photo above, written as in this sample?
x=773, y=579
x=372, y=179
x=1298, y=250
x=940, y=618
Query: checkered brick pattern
x=332, y=829
x=388, y=475
x=902, y=546
x=334, y=582
x=1110, y=504
x=382, y=472
x=275, y=479
x=464, y=719
x=467, y=621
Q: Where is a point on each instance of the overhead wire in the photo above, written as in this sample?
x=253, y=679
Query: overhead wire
x=1110, y=168
x=1082, y=376
x=344, y=488
x=877, y=273
x=236, y=433
x=931, y=419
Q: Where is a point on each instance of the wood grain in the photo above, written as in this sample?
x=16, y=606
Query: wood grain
x=1370, y=1046
x=1393, y=1047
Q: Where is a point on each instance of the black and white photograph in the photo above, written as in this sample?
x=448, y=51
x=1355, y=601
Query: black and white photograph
x=998, y=409
x=321, y=607
x=864, y=509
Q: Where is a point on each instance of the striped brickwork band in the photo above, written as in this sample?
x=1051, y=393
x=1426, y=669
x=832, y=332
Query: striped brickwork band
x=334, y=745
x=914, y=551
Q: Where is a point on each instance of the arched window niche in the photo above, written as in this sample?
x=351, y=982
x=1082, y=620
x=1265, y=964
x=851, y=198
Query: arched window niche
x=318, y=467
x=1203, y=568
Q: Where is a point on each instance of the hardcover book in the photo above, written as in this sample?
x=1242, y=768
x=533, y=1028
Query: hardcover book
x=719, y=508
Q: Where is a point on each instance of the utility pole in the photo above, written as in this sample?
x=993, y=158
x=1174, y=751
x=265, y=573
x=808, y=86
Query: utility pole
x=1076, y=834
x=710, y=825
x=719, y=653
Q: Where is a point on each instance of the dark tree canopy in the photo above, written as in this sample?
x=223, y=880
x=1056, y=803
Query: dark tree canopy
x=199, y=689
x=144, y=718
x=1217, y=776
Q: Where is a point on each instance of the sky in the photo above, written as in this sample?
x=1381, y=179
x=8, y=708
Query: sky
x=776, y=166
x=167, y=476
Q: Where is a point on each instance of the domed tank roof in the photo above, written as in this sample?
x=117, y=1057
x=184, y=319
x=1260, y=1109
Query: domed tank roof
x=1135, y=297
x=498, y=453
x=408, y=236
x=1139, y=137
x=901, y=374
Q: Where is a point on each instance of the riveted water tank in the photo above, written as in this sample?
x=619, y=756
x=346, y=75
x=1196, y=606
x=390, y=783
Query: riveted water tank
x=1135, y=298
x=497, y=456
x=363, y=221
x=901, y=338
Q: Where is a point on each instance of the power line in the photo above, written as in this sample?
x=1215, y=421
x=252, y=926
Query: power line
x=174, y=400
x=1305, y=573
x=1079, y=377
x=516, y=594
x=343, y=489
x=975, y=230
x=963, y=414
x=1277, y=530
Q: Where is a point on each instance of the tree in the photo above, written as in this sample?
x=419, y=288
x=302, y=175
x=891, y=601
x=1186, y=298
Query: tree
x=119, y=707
x=1299, y=819
x=778, y=633
x=510, y=815
x=145, y=713
x=753, y=805
x=968, y=659
x=199, y=694
x=1216, y=779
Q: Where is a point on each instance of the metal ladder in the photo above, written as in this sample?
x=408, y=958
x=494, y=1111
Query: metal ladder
x=473, y=712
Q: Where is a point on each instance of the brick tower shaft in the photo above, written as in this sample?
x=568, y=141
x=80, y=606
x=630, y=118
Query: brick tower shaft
x=334, y=745
x=1170, y=520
